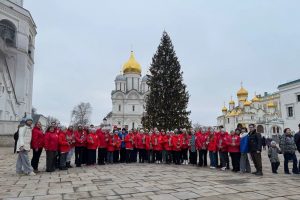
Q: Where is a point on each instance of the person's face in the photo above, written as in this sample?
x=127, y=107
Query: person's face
x=39, y=125
x=29, y=122
x=251, y=128
x=288, y=131
x=51, y=129
x=71, y=128
x=80, y=128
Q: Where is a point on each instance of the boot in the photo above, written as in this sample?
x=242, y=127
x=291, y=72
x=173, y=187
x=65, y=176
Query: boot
x=68, y=165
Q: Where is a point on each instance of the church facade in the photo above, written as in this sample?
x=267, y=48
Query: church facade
x=262, y=110
x=17, y=44
x=128, y=96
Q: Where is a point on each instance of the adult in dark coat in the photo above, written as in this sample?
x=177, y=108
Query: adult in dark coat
x=255, y=147
x=297, y=142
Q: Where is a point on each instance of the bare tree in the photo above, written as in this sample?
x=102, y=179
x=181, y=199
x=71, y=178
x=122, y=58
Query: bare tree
x=197, y=126
x=81, y=114
x=51, y=119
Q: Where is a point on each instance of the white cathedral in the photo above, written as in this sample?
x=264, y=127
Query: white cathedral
x=262, y=110
x=17, y=44
x=128, y=97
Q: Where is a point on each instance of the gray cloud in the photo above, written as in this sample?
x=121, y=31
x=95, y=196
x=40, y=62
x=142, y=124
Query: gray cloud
x=82, y=45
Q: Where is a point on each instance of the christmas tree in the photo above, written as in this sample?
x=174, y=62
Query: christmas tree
x=167, y=101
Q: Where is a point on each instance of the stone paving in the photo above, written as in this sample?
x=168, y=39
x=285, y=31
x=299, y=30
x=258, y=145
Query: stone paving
x=144, y=181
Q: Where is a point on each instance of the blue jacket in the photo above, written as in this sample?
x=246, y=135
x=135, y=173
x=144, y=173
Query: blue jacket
x=120, y=136
x=244, y=144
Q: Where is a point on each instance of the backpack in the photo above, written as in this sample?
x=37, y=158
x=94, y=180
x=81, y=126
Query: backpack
x=16, y=138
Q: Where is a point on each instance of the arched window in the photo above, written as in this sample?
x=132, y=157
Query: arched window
x=8, y=32
x=119, y=107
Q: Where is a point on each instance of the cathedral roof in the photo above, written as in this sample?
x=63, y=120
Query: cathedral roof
x=120, y=77
x=132, y=66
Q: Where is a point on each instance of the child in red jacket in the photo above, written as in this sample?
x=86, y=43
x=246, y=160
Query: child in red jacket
x=129, y=143
x=80, y=145
x=111, y=148
x=157, y=147
x=92, y=145
x=168, y=144
x=223, y=149
x=64, y=148
x=201, y=145
x=184, y=147
x=51, y=147
x=212, y=148
x=177, y=143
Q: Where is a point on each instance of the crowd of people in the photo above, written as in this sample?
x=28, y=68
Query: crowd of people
x=92, y=146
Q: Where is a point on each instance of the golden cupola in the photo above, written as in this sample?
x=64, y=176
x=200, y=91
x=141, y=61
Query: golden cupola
x=242, y=94
x=224, y=109
x=255, y=99
x=271, y=104
x=132, y=66
x=247, y=103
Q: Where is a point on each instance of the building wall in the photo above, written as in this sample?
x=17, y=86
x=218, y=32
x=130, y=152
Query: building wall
x=289, y=98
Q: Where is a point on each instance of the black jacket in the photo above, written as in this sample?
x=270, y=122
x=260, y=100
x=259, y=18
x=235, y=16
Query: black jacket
x=297, y=140
x=255, y=141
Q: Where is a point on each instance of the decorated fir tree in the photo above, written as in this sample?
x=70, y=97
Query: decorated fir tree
x=166, y=104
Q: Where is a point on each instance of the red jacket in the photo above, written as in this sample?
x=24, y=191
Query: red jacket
x=129, y=141
x=111, y=143
x=51, y=141
x=222, y=142
x=63, y=143
x=117, y=142
x=140, y=141
x=177, y=143
x=157, y=143
x=201, y=141
x=92, y=141
x=70, y=134
x=37, y=140
x=233, y=143
x=102, y=139
x=80, y=138
x=168, y=144
x=148, y=144
x=212, y=145
x=185, y=140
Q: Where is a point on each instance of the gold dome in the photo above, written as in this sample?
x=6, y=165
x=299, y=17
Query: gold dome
x=132, y=66
x=255, y=99
x=271, y=104
x=242, y=92
x=232, y=114
x=224, y=109
x=231, y=102
x=247, y=103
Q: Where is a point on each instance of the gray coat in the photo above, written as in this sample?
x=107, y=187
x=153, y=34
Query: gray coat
x=287, y=144
x=273, y=154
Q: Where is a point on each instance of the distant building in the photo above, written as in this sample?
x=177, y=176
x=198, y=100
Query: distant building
x=264, y=111
x=128, y=97
x=290, y=104
x=17, y=45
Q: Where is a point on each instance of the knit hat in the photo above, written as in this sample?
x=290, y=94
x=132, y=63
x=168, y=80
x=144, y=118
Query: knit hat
x=28, y=119
x=273, y=143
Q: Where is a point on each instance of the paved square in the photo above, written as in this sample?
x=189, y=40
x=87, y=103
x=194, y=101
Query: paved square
x=144, y=181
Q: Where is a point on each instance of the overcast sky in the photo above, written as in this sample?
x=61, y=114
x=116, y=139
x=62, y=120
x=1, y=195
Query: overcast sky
x=82, y=45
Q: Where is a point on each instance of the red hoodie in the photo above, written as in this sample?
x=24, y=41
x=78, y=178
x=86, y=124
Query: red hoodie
x=233, y=143
x=202, y=141
x=177, y=143
x=157, y=143
x=212, y=145
x=185, y=141
x=102, y=139
x=71, y=138
x=92, y=141
x=148, y=144
x=222, y=142
x=140, y=141
x=37, y=140
x=80, y=138
x=63, y=144
x=129, y=141
x=168, y=144
x=51, y=141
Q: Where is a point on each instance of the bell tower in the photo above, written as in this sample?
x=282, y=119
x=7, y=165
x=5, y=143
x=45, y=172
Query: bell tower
x=18, y=2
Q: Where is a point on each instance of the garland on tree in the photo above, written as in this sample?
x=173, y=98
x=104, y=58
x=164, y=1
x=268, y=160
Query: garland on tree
x=167, y=101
